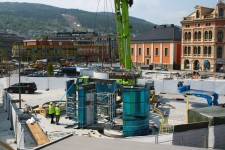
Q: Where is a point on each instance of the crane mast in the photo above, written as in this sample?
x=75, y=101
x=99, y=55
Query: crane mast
x=123, y=31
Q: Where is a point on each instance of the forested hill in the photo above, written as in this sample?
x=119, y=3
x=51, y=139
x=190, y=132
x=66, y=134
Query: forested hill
x=31, y=20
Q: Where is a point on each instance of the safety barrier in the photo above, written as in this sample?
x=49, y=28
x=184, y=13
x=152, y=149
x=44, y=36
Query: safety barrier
x=13, y=118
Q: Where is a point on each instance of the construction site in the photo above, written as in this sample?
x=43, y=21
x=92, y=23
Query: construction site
x=124, y=108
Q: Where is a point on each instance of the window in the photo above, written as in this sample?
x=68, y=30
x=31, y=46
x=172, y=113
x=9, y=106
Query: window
x=189, y=50
x=220, y=36
x=166, y=51
x=186, y=36
x=139, y=51
x=44, y=51
x=56, y=51
x=132, y=51
x=147, y=61
x=195, y=35
x=197, y=25
x=34, y=51
x=189, y=35
x=186, y=64
x=185, y=50
x=206, y=35
x=156, y=52
x=208, y=24
x=197, y=14
x=210, y=34
x=219, y=52
x=221, y=12
x=205, y=50
x=195, y=50
x=199, y=35
x=199, y=50
x=147, y=51
x=187, y=26
x=209, y=51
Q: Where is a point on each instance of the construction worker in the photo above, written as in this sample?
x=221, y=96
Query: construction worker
x=57, y=113
x=51, y=111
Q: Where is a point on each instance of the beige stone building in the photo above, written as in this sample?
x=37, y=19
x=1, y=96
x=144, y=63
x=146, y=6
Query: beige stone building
x=203, y=41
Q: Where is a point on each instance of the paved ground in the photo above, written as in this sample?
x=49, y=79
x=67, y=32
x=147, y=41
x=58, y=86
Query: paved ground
x=176, y=116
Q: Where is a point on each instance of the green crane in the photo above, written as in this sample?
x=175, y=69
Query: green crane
x=123, y=31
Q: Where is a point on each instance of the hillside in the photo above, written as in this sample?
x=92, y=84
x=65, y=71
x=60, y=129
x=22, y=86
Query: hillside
x=31, y=20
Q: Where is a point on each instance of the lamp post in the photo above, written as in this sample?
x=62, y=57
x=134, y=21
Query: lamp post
x=19, y=78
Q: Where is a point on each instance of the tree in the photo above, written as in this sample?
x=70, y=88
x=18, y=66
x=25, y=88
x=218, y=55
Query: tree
x=49, y=69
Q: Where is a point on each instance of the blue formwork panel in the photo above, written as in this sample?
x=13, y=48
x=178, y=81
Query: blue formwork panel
x=135, y=127
x=103, y=87
x=136, y=101
x=136, y=109
x=82, y=111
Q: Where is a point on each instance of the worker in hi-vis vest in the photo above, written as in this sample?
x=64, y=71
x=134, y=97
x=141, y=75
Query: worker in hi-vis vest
x=51, y=111
x=57, y=114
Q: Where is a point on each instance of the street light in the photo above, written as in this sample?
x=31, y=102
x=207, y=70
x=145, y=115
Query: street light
x=19, y=78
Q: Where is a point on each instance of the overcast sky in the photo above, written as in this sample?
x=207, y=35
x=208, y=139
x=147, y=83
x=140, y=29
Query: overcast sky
x=155, y=11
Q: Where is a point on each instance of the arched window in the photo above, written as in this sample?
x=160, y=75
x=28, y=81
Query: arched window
x=199, y=35
x=210, y=34
x=186, y=64
x=209, y=51
x=206, y=35
x=195, y=50
x=185, y=50
x=221, y=12
x=195, y=35
x=206, y=65
x=199, y=50
x=189, y=35
x=219, y=52
x=220, y=36
x=189, y=50
x=197, y=14
x=185, y=36
x=205, y=50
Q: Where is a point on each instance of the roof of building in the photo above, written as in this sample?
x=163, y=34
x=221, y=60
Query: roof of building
x=160, y=33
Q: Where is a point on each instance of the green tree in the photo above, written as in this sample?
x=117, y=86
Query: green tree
x=49, y=69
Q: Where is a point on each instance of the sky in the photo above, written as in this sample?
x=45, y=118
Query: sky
x=155, y=11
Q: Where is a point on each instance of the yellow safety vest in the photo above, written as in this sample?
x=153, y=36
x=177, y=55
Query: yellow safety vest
x=51, y=109
x=57, y=111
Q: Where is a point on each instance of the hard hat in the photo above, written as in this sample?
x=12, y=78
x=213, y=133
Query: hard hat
x=50, y=103
x=57, y=104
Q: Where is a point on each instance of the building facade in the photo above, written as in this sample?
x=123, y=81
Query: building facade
x=6, y=42
x=159, y=47
x=76, y=46
x=203, y=42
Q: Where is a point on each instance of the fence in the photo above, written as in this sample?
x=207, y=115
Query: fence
x=170, y=86
x=12, y=116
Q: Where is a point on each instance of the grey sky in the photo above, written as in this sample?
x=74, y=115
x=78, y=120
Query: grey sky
x=155, y=11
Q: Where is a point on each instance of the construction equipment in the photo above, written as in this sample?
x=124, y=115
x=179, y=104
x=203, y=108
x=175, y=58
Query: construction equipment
x=127, y=76
x=64, y=63
x=39, y=64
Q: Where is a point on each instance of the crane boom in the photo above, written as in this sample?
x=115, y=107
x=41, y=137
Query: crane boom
x=123, y=31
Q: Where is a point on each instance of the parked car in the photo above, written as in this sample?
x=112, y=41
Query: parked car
x=26, y=88
x=28, y=71
x=38, y=74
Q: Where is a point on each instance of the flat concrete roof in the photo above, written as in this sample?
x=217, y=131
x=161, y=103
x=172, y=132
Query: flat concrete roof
x=90, y=143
